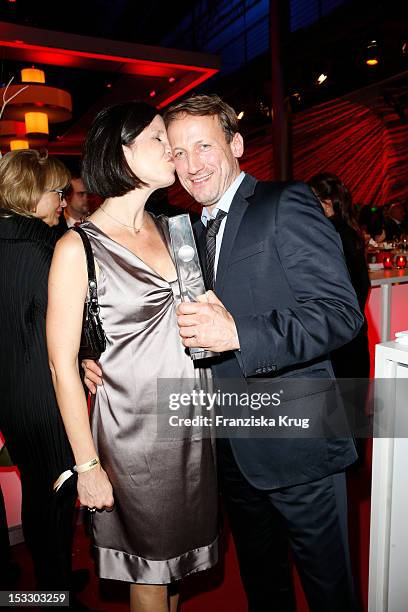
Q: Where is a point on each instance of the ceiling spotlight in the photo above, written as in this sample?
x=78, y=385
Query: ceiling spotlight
x=371, y=54
x=108, y=85
x=152, y=93
x=240, y=115
x=171, y=79
x=321, y=78
x=404, y=48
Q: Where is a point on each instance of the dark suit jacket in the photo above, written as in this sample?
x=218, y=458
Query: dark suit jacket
x=62, y=226
x=282, y=275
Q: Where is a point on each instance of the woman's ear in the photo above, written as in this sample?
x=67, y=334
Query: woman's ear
x=327, y=207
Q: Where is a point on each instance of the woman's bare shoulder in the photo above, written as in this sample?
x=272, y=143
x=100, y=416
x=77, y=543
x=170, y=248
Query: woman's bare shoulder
x=70, y=249
x=68, y=266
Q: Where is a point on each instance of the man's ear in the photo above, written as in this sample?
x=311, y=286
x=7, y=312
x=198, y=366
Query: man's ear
x=237, y=145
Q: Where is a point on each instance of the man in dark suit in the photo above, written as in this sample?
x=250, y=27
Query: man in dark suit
x=283, y=300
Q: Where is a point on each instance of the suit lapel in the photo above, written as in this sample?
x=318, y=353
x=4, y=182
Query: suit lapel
x=237, y=210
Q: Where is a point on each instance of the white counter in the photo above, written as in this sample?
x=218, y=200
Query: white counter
x=388, y=585
x=386, y=281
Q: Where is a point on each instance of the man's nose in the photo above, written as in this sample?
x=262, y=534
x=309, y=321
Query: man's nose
x=195, y=163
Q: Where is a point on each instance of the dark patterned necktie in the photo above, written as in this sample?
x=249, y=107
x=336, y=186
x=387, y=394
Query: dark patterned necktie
x=213, y=226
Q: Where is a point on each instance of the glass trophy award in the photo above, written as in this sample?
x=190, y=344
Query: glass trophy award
x=190, y=276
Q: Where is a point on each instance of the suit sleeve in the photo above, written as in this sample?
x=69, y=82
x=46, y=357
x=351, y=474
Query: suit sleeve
x=325, y=314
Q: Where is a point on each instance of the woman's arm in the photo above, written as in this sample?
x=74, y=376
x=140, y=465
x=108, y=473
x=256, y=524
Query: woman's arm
x=67, y=288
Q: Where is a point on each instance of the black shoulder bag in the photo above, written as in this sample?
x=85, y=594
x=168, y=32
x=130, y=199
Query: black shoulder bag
x=93, y=338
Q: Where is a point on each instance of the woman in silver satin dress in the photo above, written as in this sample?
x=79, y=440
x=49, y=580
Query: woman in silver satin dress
x=160, y=493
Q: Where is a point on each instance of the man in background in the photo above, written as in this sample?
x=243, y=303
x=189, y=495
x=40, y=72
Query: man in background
x=77, y=208
x=395, y=223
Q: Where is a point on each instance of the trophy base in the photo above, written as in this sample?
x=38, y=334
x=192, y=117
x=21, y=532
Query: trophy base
x=198, y=353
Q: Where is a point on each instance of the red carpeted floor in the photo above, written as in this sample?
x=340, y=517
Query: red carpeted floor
x=220, y=590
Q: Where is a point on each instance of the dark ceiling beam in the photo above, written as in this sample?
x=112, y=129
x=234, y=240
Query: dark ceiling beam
x=64, y=48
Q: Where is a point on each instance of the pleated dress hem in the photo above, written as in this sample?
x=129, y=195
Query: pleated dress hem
x=118, y=565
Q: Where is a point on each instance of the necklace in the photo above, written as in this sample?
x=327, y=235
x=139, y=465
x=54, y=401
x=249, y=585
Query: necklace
x=136, y=229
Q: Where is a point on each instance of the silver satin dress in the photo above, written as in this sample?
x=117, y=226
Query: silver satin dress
x=164, y=522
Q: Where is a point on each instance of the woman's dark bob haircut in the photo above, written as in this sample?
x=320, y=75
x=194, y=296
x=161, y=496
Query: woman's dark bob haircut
x=105, y=170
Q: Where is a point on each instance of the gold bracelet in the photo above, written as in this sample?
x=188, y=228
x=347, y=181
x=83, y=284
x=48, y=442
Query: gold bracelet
x=85, y=467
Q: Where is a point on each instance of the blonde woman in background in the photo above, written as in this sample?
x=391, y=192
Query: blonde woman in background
x=32, y=200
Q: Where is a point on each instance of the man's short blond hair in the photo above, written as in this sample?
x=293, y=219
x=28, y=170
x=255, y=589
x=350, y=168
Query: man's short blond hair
x=201, y=105
x=25, y=176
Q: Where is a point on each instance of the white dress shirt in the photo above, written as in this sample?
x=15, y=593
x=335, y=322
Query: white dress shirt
x=70, y=220
x=223, y=204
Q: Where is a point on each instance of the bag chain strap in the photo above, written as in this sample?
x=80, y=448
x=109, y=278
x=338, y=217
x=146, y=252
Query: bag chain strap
x=93, y=306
